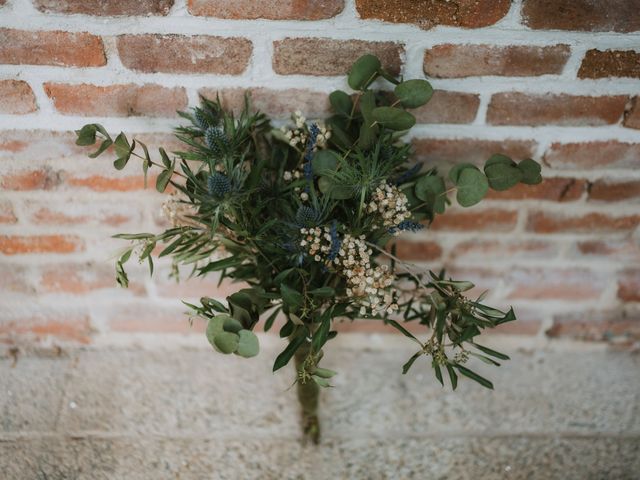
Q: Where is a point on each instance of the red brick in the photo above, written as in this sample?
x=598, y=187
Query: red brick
x=117, y=100
x=588, y=155
x=614, y=191
x=41, y=145
x=18, y=244
x=595, y=325
x=105, y=7
x=101, y=183
x=632, y=116
x=80, y=213
x=478, y=220
x=195, y=287
x=417, y=251
x=554, y=189
x=515, y=108
x=629, y=285
x=17, y=97
x=610, y=63
x=43, y=179
x=429, y=13
x=495, y=250
x=272, y=10
x=555, y=284
x=6, y=212
x=324, y=56
x=584, y=15
x=68, y=327
x=184, y=54
x=457, y=61
x=145, y=318
x=275, y=103
x=76, y=278
x=484, y=279
x=448, y=107
x=58, y=48
x=451, y=151
x=547, y=222
x=627, y=250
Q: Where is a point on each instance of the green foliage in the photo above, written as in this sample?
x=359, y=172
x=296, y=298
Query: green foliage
x=274, y=208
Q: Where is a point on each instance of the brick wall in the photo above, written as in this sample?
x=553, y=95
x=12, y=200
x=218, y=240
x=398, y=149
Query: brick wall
x=556, y=80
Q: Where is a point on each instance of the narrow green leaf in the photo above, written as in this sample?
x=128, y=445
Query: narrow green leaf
x=165, y=158
x=288, y=352
x=321, y=335
x=324, y=372
x=272, y=318
x=163, y=180
x=474, y=376
x=491, y=352
x=453, y=376
x=404, y=331
x=438, y=372
x=325, y=292
x=290, y=296
x=407, y=366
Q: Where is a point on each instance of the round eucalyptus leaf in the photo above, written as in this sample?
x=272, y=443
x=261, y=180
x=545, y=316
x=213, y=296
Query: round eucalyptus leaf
x=431, y=189
x=232, y=325
x=333, y=190
x=454, y=173
x=341, y=102
x=215, y=326
x=324, y=160
x=364, y=71
x=226, y=342
x=413, y=93
x=498, y=158
x=393, y=118
x=530, y=171
x=502, y=177
x=248, y=345
x=472, y=187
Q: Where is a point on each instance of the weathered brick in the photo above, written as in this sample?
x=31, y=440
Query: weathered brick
x=79, y=213
x=629, y=285
x=325, y=56
x=586, y=15
x=608, y=190
x=184, y=54
x=67, y=326
x=272, y=10
x=76, y=278
x=588, y=155
x=7, y=214
x=15, y=279
x=632, y=115
x=101, y=183
x=275, y=103
x=548, y=222
x=42, y=179
x=429, y=13
x=610, y=63
x=450, y=151
x=417, y=251
x=17, y=97
x=18, y=244
x=194, y=287
x=117, y=100
x=105, y=7
x=495, y=220
x=65, y=49
x=555, y=284
x=151, y=319
x=457, y=61
x=595, y=325
x=625, y=250
x=29, y=145
x=552, y=188
x=448, y=107
x=515, y=108
x=494, y=250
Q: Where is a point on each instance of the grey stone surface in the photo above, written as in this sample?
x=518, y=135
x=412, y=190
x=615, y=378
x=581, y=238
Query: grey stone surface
x=189, y=413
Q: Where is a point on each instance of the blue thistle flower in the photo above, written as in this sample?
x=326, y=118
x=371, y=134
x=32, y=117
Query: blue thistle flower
x=403, y=177
x=307, y=216
x=218, y=185
x=336, y=242
x=216, y=140
x=406, y=226
x=200, y=119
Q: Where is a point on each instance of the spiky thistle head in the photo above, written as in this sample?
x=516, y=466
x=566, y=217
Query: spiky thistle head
x=307, y=216
x=218, y=185
x=216, y=140
x=200, y=119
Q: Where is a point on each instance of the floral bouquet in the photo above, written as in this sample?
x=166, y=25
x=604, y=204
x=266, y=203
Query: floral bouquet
x=306, y=216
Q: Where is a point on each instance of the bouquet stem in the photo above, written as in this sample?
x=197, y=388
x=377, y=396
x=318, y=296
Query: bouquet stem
x=308, y=396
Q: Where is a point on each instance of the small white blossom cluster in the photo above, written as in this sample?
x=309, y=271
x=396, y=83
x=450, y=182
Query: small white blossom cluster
x=391, y=204
x=178, y=211
x=367, y=283
x=289, y=175
x=298, y=136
